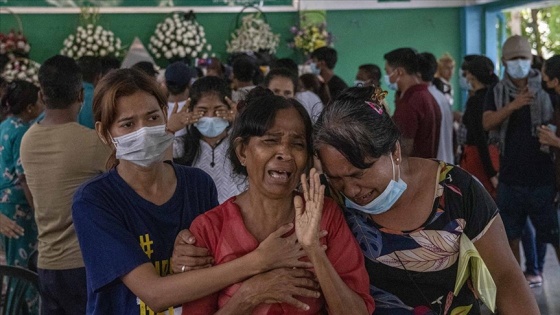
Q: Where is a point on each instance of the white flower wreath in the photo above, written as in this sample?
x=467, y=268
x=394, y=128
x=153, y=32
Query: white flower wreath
x=22, y=69
x=255, y=35
x=91, y=40
x=179, y=36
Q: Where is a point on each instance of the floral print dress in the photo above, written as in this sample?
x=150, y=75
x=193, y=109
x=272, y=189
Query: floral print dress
x=414, y=272
x=13, y=203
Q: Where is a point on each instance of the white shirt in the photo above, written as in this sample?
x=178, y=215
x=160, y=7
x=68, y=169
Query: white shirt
x=170, y=106
x=215, y=162
x=445, y=147
x=241, y=93
x=312, y=104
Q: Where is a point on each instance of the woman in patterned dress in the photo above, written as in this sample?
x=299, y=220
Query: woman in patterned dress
x=17, y=223
x=410, y=216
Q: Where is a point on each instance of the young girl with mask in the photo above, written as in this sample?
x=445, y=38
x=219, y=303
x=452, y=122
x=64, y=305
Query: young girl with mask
x=206, y=142
x=127, y=219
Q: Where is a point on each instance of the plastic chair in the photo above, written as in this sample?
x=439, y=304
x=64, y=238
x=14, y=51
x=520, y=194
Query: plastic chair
x=17, y=281
x=32, y=261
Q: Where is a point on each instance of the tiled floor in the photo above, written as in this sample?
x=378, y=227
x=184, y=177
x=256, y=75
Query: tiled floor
x=548, y=296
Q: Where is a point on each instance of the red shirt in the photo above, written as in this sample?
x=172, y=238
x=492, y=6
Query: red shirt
x=223, y=232
x=418, y=117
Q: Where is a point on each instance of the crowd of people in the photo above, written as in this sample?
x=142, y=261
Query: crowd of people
x=233, y=190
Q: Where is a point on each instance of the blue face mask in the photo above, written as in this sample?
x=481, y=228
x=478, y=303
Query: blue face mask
x=314, y=69
x=391, y=86
x=211, y=126
x=464, y=84
x=519, y=68
x=384, y=201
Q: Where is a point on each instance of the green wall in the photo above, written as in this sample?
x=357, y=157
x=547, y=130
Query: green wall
x=360, y=36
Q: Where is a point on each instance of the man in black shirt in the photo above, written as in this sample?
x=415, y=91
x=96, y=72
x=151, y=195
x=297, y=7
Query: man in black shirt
x=324, y=60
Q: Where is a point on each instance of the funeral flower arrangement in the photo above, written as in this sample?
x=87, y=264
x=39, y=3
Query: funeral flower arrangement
x=91, y=40
x=22, y=69
x=308, y=38
x=14, y=44
x=179, y=36
x=254, y=35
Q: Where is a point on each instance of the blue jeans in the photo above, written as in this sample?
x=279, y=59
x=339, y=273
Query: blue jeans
x=534, y=252
x=517, y=203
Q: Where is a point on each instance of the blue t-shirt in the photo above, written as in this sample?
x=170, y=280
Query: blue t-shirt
x=522, y=163
x=118, y=231
x=85, y=118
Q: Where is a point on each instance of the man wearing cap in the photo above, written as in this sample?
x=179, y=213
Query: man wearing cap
x=178, y=78
x=513, y=110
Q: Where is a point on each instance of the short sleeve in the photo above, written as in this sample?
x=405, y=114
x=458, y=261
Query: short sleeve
x=407, y=121
x=345, y=254
x=18, y=168
x=479, y=209
x=202, y=229
x=489, y=101
x=108, y=249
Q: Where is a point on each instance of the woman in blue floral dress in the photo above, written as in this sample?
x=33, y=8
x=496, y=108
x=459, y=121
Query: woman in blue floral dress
x=17, y=224
x=415, y=218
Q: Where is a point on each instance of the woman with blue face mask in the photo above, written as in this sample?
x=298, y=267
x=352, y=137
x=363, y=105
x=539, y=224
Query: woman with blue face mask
x=415, y=218
x=206, y=142
x=127, y=218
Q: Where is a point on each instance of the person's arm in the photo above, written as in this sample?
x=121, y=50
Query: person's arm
x=473, y=122
x=493, y=119
x=548, y=137
x=513, y=293
x=161, y=292
x=339, y=297
x=9, y=227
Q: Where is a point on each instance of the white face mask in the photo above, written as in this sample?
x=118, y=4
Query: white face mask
x=519, y=68
x=143, y=147
x=359, y=83
x=211, y=126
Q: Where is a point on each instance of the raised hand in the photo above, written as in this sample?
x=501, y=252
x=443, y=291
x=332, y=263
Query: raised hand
x=548, y=137
x=308, y=215
x=183, y=118
x=230, y=114
x=522, y=99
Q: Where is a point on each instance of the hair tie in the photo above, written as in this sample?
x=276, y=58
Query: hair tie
x=377, y=98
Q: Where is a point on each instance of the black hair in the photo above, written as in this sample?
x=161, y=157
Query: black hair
x=466, y=60
x=258, y=116
x=312, y=83
x=147, y=67
x=90, y=67
x=405, y=58
x=283, y=73
x=326, y=54
x=427, y=66
x=482, y=68
x=373, y=71
x=355, y=129
x=61, y=82
x=17, y=95
x=109, y=63
x=552, y=67
x=200, y=88
x=177, y=89
x=286, y=63
x=245, y=69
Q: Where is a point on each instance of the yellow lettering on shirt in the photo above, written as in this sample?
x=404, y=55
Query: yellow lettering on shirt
x=146, y=244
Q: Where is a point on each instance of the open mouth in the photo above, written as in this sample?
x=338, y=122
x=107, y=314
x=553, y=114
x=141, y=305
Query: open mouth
x=280, y=175
x=364, y=199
